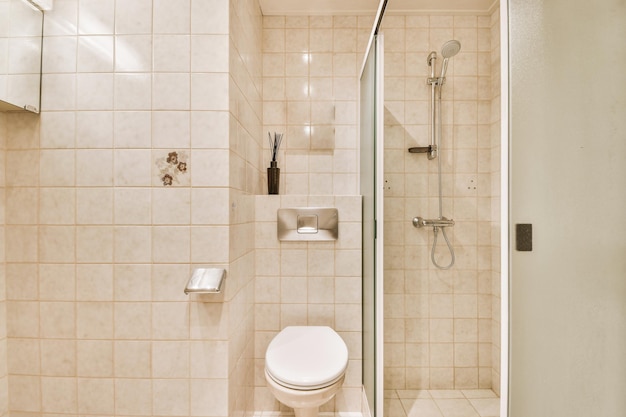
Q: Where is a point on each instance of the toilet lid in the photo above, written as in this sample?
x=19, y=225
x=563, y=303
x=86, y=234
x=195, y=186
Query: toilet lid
x=306, y=356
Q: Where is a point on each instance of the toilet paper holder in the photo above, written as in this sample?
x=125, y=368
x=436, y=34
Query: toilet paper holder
x=206, y=280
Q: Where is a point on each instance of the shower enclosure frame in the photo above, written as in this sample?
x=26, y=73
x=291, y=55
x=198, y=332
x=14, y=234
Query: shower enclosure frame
x=373, y=204
x=375, y=320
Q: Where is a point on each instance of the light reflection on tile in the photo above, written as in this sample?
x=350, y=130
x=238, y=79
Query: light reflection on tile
x=441, y=403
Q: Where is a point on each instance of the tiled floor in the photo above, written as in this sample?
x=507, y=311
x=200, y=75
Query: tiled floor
x=426, y=403
x=290, y=414
x=441, y=403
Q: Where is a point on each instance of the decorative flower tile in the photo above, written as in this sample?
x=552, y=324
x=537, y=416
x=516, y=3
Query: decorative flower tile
x=173, y=169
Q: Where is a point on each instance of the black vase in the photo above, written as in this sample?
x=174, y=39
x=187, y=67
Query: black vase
x=273, y=178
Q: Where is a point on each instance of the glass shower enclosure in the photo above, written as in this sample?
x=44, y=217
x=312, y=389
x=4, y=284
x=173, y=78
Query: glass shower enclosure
x=564, y=176
x=371, y=127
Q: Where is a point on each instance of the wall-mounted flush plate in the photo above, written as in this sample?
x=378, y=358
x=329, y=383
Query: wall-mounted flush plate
x=309, y=223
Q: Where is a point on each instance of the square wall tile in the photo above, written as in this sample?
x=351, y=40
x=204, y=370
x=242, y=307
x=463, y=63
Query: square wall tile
x=133, y=396
x=171, y=53
x=209, y=17
x=132, y=359
x=58, y=357
x=96, y=17
x=57, y=282
x=132, y=91
x=23, y=356
x=133, y=17
x=171, y=396
x=95, y=54
x=96, y=396
x=171, y=16
x=132, y=321
x=94, y=358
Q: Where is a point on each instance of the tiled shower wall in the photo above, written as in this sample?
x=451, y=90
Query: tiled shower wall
x=137, y=94
x=438, y=323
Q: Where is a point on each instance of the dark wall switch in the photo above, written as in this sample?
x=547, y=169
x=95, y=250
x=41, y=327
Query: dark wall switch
x=524, y=237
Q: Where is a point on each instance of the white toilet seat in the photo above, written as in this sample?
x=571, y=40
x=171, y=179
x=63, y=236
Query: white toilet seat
x=306, y=357
x=303, y=388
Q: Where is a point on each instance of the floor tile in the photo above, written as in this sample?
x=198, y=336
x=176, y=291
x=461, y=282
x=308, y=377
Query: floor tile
x=446, y=393
x=425, y=403
x=453, y=407
x=393, y=408
x=391, y=393
x=421, y=408
x=486, y=407
x=411, y=393
x=479, y=393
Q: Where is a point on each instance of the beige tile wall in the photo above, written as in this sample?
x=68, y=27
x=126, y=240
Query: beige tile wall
x=438, y=324
x=310, y=82
x=311, y=66
x=245, y=149
x=100, y=249
x=309, y=283
x=4, y=390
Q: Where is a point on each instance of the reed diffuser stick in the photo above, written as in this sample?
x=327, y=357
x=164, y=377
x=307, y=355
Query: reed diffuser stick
x=273, y=172
x=274, y=143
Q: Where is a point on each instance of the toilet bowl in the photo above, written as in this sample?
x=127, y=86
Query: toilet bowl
x=305, y=366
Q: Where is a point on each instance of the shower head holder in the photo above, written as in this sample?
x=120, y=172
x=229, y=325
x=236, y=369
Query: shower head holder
x=431, y=57
x=431, y=150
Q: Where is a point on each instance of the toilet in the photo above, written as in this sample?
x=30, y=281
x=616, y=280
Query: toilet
x=305, y=367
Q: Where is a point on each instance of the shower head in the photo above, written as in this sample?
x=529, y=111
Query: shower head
x=448, y=50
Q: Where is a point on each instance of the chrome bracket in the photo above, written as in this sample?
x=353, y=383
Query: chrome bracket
x=431, y=150
x=436, y=80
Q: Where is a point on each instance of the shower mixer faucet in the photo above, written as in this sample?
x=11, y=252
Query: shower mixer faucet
x=420, y=222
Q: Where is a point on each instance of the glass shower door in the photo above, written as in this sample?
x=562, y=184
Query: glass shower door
x=371, y=171
x=568, y=180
